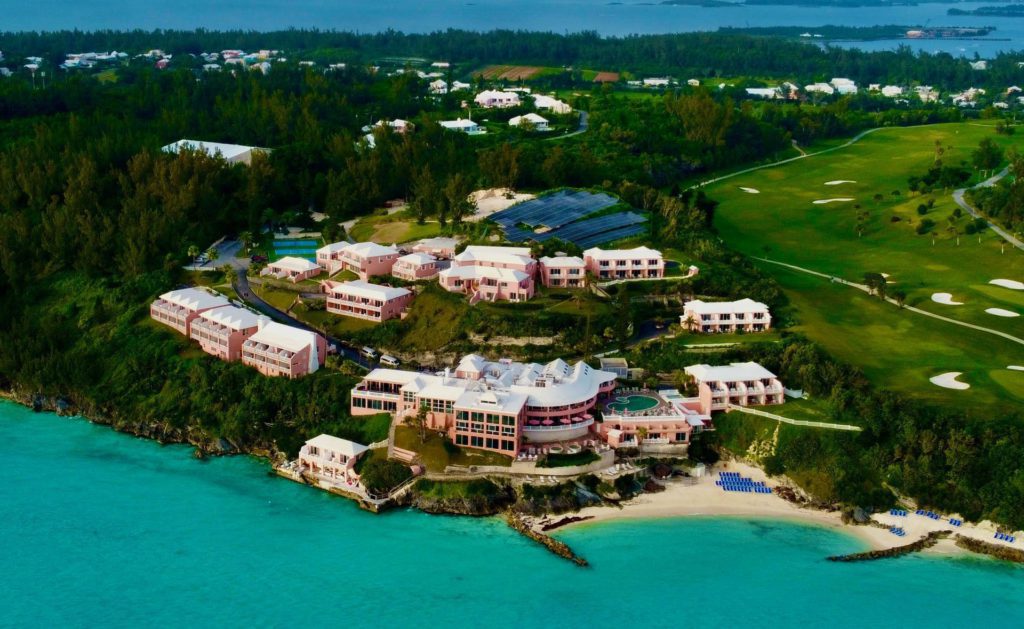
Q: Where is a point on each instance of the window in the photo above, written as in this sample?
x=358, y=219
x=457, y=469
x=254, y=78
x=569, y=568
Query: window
x=681, y=437
x=493, y=444
x=476, y=442
x=508, y=445
x=461, y=440
x=508, y=421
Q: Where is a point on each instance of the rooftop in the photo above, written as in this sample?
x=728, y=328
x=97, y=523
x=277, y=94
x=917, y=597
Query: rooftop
x=563, y=262
x=614, y=254
x=501, y=255
x=227, y=151
x=366, y=290
x=730, y=372
x=338, y=445
x=232, y=317
x=284, y=337
x=722, y=307
x=371, y=249
x=194, y=299
x=291, y=263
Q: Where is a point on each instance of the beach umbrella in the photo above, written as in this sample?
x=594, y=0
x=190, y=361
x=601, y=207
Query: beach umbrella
x=547, y=422
x=565, y=421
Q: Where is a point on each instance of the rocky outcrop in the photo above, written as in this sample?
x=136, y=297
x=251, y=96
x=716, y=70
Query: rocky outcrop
x=986, y=548
x=927, y=541
x=561, y=549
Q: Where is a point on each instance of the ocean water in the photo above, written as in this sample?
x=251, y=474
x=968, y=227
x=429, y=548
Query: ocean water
x=102, y=529
x=603, y=16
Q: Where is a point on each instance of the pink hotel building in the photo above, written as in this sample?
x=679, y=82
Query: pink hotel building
x=726, y=316
x=364, y=300
x=491, y=273
x=563, y=272
x=736, y=384
x=179, y=308
x=492, y=405
x=282, y=350
x=415, y=267
x=222, y=331
x=616, y=264
x=365, y=259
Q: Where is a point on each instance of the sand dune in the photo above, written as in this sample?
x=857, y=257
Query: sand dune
x=949, y=381
x=824, y=201
x=946, y=299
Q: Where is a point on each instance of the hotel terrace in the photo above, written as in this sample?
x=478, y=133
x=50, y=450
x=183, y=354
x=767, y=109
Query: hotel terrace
x=221, y=331
x=492, y=405
x=737, y=384
x=613, y=264
x=281, y=350
x=292, y=269
x=365, y=259
x=415, y=267
x=563, y=272
x=726, y=316
x=491, y=273
x=364, y=300
x=667, y=417
x=179, y=308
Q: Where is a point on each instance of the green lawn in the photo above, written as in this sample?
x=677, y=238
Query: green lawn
x=392, y=229
x=435, y=319
x=436, y=452
x=276, y=297
x=896, y=349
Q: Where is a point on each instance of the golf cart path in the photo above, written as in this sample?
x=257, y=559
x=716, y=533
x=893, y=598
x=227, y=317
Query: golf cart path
x=864, y=288
x=958, y=197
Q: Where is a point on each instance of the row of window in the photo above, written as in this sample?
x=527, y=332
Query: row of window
x=491, y=429
x=481, y=442
x=374, y=403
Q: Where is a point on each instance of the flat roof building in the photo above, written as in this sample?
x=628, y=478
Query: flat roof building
x=363, y=300
x=725, y=316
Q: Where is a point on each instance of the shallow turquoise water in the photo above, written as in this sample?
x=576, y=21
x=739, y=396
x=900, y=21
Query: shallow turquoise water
x=103, y=529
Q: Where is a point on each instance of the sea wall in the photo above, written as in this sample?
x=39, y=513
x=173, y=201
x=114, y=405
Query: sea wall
x=561, y=549
x=987, y=548
x=927, y=541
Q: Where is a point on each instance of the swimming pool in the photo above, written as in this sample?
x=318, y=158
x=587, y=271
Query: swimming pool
x=633, y=403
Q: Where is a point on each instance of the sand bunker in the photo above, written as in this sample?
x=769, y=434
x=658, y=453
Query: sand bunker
x=837, y=182
x=824, y=201
x=949, y=381
x=1001, y=312
x=946, y=299
x=1011, y=284
x=494, y=200
x=750, y=190
x=1015, y=368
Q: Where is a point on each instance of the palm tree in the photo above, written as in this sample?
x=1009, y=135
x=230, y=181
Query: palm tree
x=246, y=239
x=690, y=322
x=193, y=252
x=419, y=420
x=212, y=254
x=641, y=435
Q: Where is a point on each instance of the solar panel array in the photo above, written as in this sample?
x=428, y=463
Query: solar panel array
x=561, y=212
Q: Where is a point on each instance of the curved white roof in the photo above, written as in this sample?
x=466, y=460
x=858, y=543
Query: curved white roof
x=232, y=317
x=194, y=299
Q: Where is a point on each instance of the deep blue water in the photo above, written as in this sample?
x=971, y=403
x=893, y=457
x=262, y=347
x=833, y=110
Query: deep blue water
x=609, y=18
x=101, y=529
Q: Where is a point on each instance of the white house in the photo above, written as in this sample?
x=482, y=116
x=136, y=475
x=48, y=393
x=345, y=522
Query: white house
x=764, y=92
x=844, y=86
x=439, y=86
x=725, y=316
x=232, y=153
x=820, y=88
x=980, y=64
x=463, y=125
x=494, y=98
x=538, y=123
x=892, y=91
x=331, y=458
x=547, y=103
x=657, y=82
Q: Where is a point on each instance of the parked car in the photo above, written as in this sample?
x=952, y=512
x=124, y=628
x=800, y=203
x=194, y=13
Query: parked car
x=259, y=259
x=389, y=361
x=369, y=352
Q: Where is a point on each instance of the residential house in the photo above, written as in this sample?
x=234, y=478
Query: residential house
x=820, y=88
x=491, y=273
x=548, y=103
x=415, y=267
x=440, y=247
x=231, y=153
x=331, y=459
x=844, y=86
x=221, y=331
x=736, y=384
x=363, y=300
x=533, y=121
x=764, y=92
x=281, y=350
x=563, y=272
x=367, y=259
x=179, y=308
x=292, y=269
x=725, y=316
x=463, y=125
x=493, y=98
x=636, y=263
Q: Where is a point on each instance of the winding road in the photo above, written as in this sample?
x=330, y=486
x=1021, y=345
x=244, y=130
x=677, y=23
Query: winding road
x=958, y=198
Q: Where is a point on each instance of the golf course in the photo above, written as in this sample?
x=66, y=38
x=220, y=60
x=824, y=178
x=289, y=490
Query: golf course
x=849, y=212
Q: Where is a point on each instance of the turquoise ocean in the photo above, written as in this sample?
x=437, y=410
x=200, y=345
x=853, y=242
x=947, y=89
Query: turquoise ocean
x=102, y=529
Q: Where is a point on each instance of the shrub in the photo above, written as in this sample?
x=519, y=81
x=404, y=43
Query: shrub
x=380, y=475
x=922, y=209
x=925, y=226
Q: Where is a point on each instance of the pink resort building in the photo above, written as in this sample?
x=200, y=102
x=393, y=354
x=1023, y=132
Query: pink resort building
x=365, y=259
x=222, y=331
x=330, y=459
x=492, y=405
x=292, y=269
x=415, y=267
x=563, y=272
x=725, y=316
x=282, y=350
x=491, y=274
x=666, y=418
x=620, y=264
x=179, y=308
x=364, y=300
x=440, y=247
x=736, y=384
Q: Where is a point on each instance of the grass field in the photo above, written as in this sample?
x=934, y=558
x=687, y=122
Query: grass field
x=514, y=73
x=436, y=453
x=387, y=230
x=896, y=348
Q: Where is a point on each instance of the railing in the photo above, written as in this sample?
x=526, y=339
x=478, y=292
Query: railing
x=582, y=424
x=377, y=394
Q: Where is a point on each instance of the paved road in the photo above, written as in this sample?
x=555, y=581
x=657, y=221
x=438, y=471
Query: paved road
x=582, y=128
x=862, y=287
x=958, y=197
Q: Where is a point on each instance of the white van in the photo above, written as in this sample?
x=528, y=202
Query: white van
x=389, y=361
x=369, y=352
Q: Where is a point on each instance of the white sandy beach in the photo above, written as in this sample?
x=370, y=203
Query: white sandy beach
x=683, y=498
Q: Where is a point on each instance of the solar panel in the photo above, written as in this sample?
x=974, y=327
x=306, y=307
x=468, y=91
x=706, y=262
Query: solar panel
x=574, y=232
x=611, y=236
x=554, y=210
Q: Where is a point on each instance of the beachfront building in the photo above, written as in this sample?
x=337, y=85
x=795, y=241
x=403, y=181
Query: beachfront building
x=725, y=316
x=363, y=300
x=440, y=247
x=653, y=419
x=365, y=259
x=330, y=459
x=491, y=274
x=613, y=264
x=415, y=267
x=232, y=153
x=179, y=308
x=736, y=384
x=462, y=125
x=563, y=272
x=494, y=98
x=292, y=269
x=531, y=121
x=281, y=350
x=492, y=405
x=221, y=332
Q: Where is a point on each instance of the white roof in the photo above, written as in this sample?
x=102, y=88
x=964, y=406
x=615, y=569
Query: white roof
x=371, y=249
x=366, y=290
x=723, y=307
x=439, y=242
x=232, y=317
x=530, y=117
x=490, y=272
x=291, y=263
x=417, y=259
x=619, y=254
x=194, y=299
x=498, y=255
x=460, y=123
x=334, y=247
x=286, y=337
x=563, y=262
x=547, y=102
x=227, y=151
x=496, y=95
x=727, y=373
x=338, y=445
